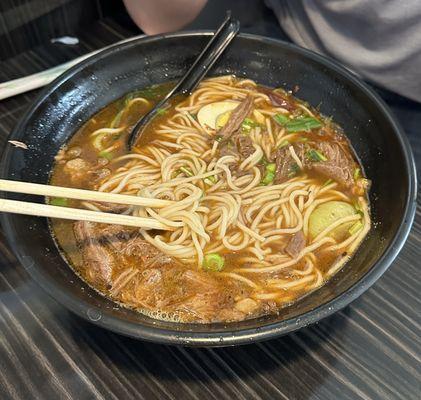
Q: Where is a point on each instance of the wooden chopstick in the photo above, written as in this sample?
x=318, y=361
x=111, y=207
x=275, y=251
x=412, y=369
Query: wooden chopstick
x=47, y=210
x=80, y=194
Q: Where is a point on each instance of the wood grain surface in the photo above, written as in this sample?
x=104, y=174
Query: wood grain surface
x=370, y=350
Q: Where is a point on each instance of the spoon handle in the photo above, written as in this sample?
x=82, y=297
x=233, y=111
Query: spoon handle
x=204, y=62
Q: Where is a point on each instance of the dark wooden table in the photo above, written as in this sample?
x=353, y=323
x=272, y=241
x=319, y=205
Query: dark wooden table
x=370, y=350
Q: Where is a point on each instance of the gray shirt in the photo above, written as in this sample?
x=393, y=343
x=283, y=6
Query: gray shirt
x=379, y=39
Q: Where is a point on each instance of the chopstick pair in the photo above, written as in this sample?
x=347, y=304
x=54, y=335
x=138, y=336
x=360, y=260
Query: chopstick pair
x=51, y=211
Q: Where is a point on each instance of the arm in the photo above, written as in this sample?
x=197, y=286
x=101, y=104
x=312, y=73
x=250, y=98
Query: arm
x=159, y=16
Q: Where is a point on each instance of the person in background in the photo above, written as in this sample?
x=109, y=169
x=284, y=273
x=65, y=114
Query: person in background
x=378, y=39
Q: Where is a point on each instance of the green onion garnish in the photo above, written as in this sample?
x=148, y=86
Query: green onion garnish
x=281, y=119
x=213, y=262
x=303, y=124
x=248, y=124
x=106, y=154
x=161, y=111
x=59, y=201
x=268, y=178
x=210, y=180
x=356, y=227
x=298, y=124
x=271, y=167
x=187, y=171
x=315, y=155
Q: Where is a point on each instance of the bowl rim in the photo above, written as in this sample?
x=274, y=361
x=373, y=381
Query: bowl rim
x=242, y=336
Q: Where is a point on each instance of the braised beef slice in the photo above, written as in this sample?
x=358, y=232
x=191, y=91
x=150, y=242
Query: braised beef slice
x=338, y=166
x=236, y=118
x=244, y=145
x=98, y=261
x=296, y=244
x=286, y=166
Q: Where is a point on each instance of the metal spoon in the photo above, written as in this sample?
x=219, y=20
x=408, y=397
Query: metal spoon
x=220, y=40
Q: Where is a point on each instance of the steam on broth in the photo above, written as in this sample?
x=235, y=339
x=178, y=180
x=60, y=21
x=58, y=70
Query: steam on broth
x=270, y=202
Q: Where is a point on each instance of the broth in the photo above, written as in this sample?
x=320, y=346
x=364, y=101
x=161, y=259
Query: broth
x=280, y=206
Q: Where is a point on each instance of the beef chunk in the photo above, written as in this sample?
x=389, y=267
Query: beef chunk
x=338, y=166
x=286, y=166
x=244, y=145
x=236, y=118
x=97, y=259
x=296, y=244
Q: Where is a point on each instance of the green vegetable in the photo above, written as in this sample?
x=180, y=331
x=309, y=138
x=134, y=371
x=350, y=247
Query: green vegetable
x=210, y=180
x=281, y=119
x=328, y=182
x=271, y=167
x=213, y=262
x=161, y=111
x=248, y=124
x=283, y=144
x=297, y=124
x=268, y=178
x=326, y=214
x=303, y=124
x=303, y=139
x=294, y=170
x=218, y=138
x=269, y=175
x=315, y=155
x=59, y=201
x=356, y=227
x=357, y=173
x=187, y=171
x=106, y=154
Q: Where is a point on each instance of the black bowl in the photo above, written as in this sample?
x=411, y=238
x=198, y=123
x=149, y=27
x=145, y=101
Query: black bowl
x=82, y=91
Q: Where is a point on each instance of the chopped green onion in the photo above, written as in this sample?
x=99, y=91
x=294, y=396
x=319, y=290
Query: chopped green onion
x=268, y=178
x=248, y=124
x=187, y=171
x=106, y=154
x=271, y=167
x=161, y=111
x=303, y=139
x=328, y=182
x=357, y=173
x=210, y=180
x=218, y=138
x=283, y=144
x=281, y=119
x=303, y=124
x=356, y=227
x=59, y=201
x=315, y=155
x=294, y=170
x=213, y=262
x=269, y=173
x=298, y=124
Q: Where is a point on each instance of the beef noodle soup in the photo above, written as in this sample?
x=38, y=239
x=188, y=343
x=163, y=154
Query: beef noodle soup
x=269, y=202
